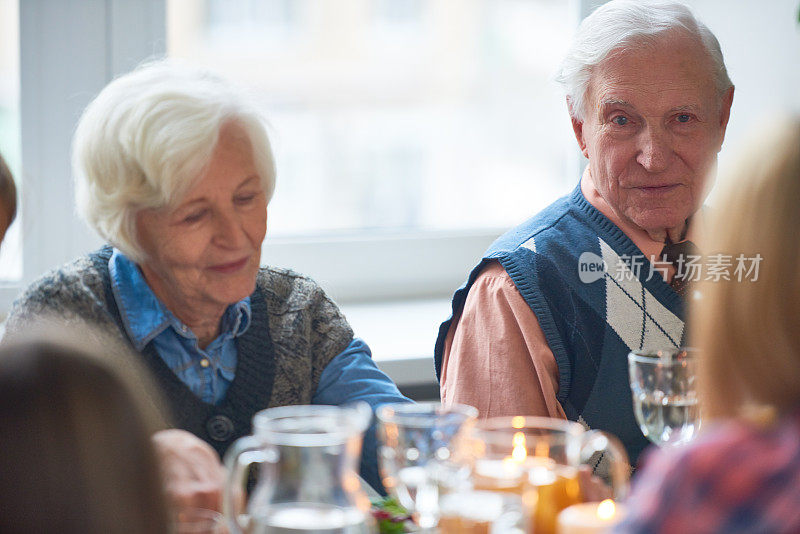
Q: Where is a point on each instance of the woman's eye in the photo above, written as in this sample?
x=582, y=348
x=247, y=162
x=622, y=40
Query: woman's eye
x=194, y=217
x=620, y=120
x=244, y=199
x=683, y=117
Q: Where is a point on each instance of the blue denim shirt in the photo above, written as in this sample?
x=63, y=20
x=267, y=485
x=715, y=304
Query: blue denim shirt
x=351, y=376
x=207, y=372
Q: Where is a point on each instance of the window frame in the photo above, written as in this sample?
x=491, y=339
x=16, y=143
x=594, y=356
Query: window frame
x=110, y=37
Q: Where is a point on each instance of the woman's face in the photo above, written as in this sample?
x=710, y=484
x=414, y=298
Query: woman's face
x=204, y=255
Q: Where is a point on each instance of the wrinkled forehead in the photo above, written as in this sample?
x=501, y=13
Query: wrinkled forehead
x=671, y=71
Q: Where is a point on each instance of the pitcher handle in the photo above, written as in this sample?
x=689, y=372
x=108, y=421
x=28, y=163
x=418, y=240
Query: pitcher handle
x=242, y=453
x=595, y=441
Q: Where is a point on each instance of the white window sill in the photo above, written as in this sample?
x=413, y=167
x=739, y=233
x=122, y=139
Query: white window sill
x=401, y=335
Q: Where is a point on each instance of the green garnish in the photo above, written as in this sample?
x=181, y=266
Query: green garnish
x=390, y=515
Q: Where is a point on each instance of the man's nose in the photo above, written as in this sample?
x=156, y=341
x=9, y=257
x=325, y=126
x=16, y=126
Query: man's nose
x=655, y=148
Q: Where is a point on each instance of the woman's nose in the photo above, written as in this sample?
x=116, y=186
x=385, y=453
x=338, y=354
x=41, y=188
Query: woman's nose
x=228, y=231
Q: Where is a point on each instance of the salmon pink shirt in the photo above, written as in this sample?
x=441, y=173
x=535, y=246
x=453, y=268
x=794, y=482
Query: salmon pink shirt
x=496, y=357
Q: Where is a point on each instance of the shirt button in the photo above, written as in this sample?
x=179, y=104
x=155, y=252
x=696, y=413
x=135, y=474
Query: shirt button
x=219, y=428
x=204, y=362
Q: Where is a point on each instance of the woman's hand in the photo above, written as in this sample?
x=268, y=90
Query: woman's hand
x=193, y=474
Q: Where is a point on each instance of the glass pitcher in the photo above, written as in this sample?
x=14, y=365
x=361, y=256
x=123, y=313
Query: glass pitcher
x=308, y=479
x=539, y=459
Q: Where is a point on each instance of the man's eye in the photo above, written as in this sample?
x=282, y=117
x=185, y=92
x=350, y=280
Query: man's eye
x=683, y=117
x=620, y=120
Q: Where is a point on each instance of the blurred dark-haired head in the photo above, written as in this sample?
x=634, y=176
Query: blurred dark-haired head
x=75, y=441
x=8, y=198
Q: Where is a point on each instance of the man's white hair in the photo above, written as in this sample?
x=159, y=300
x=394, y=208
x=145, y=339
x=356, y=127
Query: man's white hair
x=145, y=140
x=620, y=25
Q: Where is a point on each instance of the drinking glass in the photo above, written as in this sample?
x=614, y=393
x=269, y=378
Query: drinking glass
x=540, y=459
x=417, y=454
x=663, y=384
x=482, y=512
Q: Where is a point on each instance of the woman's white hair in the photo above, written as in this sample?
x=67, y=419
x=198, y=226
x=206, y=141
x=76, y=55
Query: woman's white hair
x=621, y=24
x=144, y=141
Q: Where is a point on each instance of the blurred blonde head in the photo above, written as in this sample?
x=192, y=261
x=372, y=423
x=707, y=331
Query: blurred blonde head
x=749, y=330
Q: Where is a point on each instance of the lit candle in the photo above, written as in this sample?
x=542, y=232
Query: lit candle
x=498, y=473
x=590, y=517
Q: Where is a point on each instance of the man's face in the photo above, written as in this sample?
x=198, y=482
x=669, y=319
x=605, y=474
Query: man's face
x=654, y=125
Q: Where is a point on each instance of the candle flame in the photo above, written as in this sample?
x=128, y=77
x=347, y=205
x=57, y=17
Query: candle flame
x=518, y=422
x=606, y=510
x=520, y=452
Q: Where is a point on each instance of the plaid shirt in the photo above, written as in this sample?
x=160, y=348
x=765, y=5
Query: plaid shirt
x=734, y=478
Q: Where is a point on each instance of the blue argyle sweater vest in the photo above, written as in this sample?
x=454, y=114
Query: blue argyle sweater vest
x=596, y=298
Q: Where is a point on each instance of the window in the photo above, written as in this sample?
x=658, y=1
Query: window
x=233, y=24
x=401, y=120
x=400, y=126
x=397, y=115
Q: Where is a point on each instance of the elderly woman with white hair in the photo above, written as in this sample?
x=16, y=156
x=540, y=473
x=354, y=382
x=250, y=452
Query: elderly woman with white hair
x=174, y=170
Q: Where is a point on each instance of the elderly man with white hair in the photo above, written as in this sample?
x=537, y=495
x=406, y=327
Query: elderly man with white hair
x=545, y=321
x=174, y=170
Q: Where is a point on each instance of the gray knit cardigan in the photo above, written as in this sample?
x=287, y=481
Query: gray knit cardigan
x=295, y=331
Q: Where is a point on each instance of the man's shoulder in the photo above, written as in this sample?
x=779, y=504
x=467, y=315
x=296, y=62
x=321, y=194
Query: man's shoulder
x=559, y=223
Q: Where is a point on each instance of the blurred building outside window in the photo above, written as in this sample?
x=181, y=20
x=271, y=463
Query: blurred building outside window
x=396, y=116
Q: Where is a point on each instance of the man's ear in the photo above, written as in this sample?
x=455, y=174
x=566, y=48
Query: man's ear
x=725, y=114
x=577, y=127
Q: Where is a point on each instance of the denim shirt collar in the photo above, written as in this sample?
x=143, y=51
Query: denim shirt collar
x=145, y=316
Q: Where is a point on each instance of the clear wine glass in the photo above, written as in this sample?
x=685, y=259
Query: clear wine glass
x=417, y=454
x=663, y=384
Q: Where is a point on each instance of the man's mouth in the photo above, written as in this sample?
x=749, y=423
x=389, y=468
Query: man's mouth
x=658, y=188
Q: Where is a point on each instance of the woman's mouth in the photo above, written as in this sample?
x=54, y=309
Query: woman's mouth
x=232, y=267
